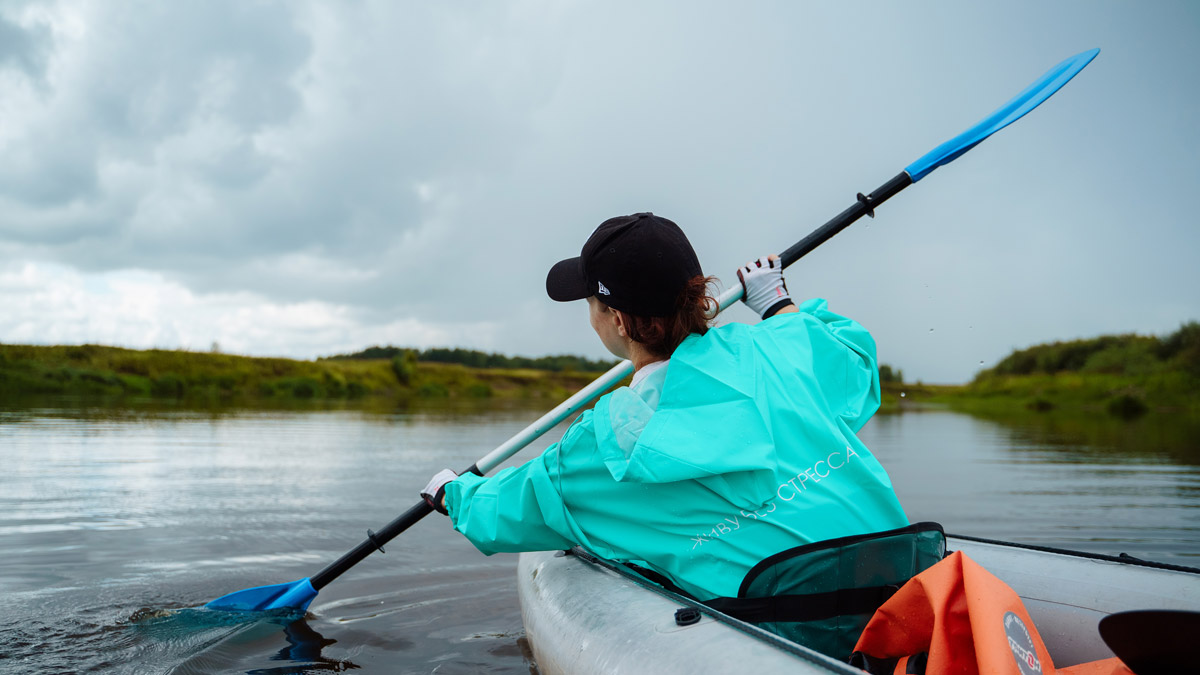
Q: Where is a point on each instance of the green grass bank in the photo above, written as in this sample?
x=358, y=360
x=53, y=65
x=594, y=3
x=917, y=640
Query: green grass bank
x=1122, y=376
x=93, y=371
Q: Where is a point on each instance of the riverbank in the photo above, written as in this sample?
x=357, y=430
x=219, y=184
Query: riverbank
x=1122, y=397
x=1121, y=377
x=93, y=371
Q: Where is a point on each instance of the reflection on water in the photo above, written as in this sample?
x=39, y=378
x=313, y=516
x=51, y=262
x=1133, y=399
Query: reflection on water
x=1169, y=438
x=116, y=525
x=304, y=647
x=1093, y=484
x=202, y=639
x=234, y=647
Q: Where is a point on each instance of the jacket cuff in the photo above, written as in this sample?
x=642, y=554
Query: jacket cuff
x=455, y=490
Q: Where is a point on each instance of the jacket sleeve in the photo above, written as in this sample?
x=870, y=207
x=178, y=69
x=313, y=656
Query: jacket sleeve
x=845, y=364
x=519, y=508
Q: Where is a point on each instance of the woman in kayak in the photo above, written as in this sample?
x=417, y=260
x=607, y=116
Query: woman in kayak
x=730, y=444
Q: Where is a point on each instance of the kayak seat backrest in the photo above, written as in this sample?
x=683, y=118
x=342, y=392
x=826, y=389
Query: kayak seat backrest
x=822, y=595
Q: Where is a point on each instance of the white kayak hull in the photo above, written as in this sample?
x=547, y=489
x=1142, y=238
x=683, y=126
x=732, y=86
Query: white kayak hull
x=582, y=618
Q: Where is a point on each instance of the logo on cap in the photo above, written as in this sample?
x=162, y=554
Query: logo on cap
x=603, y=290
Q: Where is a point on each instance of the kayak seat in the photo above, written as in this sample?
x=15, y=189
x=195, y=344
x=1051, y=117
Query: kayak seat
x=822, y=595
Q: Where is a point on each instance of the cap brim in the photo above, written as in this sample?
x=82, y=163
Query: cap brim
x=566, y=282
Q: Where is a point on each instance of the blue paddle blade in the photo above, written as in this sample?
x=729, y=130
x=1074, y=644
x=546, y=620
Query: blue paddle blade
x=295, y=595
x=1008, y=113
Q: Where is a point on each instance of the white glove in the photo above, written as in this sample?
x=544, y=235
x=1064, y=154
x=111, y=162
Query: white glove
x=762, y=279
x=435, y=493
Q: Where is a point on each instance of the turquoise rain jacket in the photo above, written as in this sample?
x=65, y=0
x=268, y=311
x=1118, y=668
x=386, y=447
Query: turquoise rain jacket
x=743, y=446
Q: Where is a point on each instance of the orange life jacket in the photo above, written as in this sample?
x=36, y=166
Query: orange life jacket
x=955, y=617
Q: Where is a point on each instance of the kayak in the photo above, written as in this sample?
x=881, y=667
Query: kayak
x=585, y=615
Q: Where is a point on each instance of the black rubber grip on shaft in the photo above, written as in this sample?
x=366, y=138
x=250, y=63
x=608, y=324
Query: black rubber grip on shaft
x=376, y=540
x=863, y=206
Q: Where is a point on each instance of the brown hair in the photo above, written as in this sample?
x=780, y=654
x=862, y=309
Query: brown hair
x=695, y=308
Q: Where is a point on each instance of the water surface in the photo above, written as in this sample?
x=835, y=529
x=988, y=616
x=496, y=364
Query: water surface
x=1090, y=483
x=106, y=516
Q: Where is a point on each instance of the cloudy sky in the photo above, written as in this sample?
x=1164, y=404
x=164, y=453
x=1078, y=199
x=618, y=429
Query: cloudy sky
x=303, y=179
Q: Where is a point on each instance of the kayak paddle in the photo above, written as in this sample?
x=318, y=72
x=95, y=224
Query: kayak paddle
x=298, y=594
x=1153, y=641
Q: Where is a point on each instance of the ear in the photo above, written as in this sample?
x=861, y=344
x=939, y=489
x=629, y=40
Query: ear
x=619, y=321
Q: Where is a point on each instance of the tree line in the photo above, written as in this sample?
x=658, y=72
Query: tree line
x=477, y=359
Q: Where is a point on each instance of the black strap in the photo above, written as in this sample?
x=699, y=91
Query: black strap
x=807, y=607
x=877, y=665
x=660, y=579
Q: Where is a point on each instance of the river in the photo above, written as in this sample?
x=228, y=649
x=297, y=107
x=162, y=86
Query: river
x=116, y=525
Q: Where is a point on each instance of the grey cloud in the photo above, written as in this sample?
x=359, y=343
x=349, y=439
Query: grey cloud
x=157, y=68
x=50, y=168
x=322, y=126
x=24, y=49
x=141, y=76
x=420, y=109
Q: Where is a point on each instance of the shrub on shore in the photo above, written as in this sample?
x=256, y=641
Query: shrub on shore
x=1124, y=375
x=1132, y=355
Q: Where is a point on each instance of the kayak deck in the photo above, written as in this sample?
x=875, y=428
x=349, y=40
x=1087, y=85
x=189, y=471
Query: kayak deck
x=584, y=618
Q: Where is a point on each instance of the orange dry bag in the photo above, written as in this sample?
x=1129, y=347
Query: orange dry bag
x=955, y=617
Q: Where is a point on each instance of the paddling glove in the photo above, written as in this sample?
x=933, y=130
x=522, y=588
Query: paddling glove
x=765, y=291
x=434, y=494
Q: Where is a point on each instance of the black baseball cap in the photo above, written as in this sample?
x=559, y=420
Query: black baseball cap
x=637, y=264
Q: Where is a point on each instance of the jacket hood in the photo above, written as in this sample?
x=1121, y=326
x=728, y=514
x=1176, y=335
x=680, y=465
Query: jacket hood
x=697, y=419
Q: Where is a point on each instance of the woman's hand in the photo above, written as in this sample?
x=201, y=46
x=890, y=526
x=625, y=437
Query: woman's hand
x=765, y=290
x=434, y=493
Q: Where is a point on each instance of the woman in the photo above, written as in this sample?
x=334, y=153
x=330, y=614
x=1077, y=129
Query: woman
x=729, y=445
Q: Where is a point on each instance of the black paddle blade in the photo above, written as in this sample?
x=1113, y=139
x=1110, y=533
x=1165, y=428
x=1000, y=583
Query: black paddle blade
x=1153, y=641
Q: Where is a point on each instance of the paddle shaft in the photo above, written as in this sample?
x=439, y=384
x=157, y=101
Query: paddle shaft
x=374, y=540
x=864, y=206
